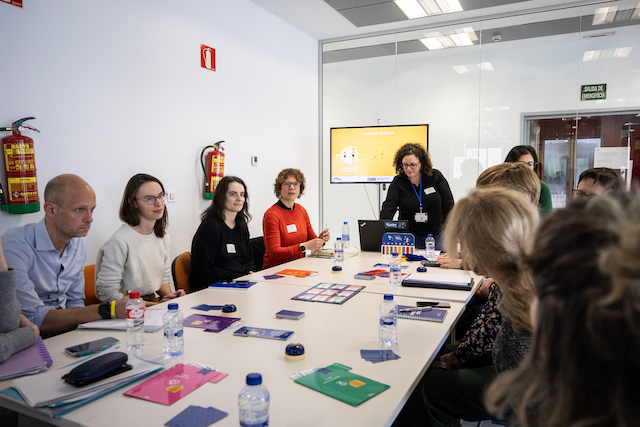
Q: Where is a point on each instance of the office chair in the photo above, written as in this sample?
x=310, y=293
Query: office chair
x=180, y=270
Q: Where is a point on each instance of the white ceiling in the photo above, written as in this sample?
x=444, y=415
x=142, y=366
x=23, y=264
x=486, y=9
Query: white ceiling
x=321, y=21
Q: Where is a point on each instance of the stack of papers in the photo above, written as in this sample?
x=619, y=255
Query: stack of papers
x=153, y=320
x=50, y=390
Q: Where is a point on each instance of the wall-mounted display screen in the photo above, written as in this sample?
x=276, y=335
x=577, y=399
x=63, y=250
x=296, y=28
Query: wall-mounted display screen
x=365, y=154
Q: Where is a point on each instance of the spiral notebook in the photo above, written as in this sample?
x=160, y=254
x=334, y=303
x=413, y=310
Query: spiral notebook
x=433, y=315
x=29, y=361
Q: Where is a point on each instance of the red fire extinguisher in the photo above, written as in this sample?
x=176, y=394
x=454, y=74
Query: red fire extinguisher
x=20, y=181
x=214, y=168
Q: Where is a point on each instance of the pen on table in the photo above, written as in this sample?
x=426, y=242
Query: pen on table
x=408, y=310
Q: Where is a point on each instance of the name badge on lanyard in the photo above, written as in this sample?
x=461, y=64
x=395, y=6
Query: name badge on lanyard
x=420, y=216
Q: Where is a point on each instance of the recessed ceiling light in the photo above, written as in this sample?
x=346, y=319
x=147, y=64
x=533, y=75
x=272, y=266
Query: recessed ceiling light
x=411, y=8
x=446, y=41
x=432, y=43
x=430, y=6
x=591, y=55
x=622, y=52
x=604, y=15
x=485, y=66
x=636, y=12
x=461, y=69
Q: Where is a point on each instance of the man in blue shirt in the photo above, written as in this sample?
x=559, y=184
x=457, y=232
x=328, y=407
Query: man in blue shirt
x=49, y=259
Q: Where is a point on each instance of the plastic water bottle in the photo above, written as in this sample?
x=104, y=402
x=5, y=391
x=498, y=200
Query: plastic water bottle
x=346, y=239
x=254, y=403
x=388, y=334
x=135, y=321
x=395, y=271
x=338, y=253
x=430, y=246
x=173, y=335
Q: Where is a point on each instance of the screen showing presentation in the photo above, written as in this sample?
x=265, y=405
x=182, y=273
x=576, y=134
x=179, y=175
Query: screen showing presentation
x=365, y=154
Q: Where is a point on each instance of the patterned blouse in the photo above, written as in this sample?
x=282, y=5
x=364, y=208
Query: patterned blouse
x=480, y=337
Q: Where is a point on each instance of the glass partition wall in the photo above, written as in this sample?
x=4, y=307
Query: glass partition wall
x=486, y=86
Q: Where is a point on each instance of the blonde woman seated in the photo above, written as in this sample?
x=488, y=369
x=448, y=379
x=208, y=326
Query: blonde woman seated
x=136, y=257
x=582, y=368
x=495, y=229
x=515, y=176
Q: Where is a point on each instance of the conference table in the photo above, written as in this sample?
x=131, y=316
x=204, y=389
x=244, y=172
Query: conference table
x=330, y=333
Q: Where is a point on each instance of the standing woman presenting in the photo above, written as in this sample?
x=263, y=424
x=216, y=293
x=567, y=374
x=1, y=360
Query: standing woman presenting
x=420, y=192
x=286, y=226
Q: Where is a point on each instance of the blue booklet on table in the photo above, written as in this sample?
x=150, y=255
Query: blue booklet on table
x=275, y=334
x=233, y=285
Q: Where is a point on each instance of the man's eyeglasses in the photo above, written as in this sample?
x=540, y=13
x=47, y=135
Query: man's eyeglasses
x=580, y=193
x=291, y=184
x=151, y=200
x=410, y=165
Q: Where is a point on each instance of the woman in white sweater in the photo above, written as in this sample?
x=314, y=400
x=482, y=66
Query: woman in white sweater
x=136, y=257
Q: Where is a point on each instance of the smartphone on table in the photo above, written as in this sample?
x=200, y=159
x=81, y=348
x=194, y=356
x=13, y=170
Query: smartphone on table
x=90, y=347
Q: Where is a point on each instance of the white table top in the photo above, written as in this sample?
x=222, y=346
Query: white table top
x=365, y=261
x=330, y=333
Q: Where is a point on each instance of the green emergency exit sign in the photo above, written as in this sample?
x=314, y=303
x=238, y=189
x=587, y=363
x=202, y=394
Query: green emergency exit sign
x=593, y=92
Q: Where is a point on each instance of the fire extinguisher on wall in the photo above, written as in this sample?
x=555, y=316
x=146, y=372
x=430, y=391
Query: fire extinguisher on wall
x=213, y=168
x=20, y=178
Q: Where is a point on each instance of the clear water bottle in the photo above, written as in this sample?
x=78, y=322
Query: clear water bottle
x=430, y=246
x=173, y=334
x=135, y=321
x=388, y=334
x=346, y=239
x=395, y=271
x=338, y=253
x=254, y=403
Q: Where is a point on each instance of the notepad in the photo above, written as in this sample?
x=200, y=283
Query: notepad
x=428, y=314
x=29, y=361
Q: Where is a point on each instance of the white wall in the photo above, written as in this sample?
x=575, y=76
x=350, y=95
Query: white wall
x=475, y=117
x=117, y=89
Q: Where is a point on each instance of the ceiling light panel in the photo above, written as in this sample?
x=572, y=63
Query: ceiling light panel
x=604, y=15
x=411, y=8
x=430, y=6
x=432, y=43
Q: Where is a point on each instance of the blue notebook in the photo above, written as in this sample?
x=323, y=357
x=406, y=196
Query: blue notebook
x=233, y=285
x=432, y=315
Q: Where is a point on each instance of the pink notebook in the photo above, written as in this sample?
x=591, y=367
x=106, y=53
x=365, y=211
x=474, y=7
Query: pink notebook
x=29, y=361
x=173, y=384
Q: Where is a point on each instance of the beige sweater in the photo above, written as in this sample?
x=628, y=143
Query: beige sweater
x=130, y=261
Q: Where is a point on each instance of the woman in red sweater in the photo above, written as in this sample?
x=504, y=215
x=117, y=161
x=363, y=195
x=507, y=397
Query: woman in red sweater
x=287, y=230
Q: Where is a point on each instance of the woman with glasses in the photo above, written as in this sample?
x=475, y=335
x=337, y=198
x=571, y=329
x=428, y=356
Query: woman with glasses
x=136, y=257
x=220, y=250
x=420, y=192
x=287, y=230
x=527, y=155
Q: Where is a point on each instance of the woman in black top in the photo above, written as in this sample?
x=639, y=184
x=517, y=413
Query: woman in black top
x=420, y=192
x=220, y=250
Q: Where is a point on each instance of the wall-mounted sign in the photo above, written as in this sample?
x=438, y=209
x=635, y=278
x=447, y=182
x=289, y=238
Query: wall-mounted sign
x=207, y=57
x=611, y=157
x=13, y=2
x=593, y=92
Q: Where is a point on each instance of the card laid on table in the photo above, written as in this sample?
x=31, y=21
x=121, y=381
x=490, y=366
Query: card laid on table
x=196, y=416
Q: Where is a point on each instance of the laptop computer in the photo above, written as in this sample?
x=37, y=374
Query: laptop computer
x=371, y=232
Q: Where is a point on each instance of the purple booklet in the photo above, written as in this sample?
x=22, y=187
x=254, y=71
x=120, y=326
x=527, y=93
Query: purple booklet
x=209, y=323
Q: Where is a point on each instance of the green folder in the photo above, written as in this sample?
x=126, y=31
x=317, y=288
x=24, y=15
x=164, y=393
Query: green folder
x=336, y=381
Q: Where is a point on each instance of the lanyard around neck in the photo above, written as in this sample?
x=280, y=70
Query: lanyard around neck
x=418, y=195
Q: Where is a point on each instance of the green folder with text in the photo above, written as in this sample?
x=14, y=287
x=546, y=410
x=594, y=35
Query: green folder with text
x=338, y=382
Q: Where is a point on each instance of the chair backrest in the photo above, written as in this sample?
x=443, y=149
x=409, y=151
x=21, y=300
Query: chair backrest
x=258, y=249
x=180, y=270
x=89, y=285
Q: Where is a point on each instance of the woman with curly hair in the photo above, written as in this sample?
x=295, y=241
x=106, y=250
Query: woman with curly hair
x=420, y=192
x=288, y=234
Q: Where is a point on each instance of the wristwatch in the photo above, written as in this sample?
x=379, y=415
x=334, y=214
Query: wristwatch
x=104, y=310
x=303, y=248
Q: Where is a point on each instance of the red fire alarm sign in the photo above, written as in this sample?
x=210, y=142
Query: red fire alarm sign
x=207, y=57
